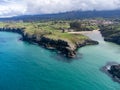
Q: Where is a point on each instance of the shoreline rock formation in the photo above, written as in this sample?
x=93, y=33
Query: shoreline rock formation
x=113, y=70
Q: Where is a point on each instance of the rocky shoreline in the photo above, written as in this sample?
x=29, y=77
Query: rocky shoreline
x=108, y=37
x=63, y=46
x=110, y=34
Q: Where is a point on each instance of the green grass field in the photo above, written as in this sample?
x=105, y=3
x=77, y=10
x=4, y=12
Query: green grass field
x=51, y=29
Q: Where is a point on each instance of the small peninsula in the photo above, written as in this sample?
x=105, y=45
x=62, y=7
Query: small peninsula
x=51, y=34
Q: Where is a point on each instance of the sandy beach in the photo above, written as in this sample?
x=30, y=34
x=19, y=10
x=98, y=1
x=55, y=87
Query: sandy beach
x=84, y=32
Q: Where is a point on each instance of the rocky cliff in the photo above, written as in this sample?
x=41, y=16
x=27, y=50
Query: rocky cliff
x=111, y=33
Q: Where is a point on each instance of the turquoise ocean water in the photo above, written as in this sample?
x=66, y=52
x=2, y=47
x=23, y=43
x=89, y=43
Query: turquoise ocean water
x=24, y=66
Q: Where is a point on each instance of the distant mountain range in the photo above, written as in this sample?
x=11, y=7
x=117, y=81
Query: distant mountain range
x=67, y=15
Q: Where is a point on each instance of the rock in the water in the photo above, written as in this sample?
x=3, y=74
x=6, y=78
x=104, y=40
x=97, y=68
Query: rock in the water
x=113, y=70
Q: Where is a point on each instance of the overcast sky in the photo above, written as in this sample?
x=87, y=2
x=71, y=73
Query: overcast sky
x=22, y=7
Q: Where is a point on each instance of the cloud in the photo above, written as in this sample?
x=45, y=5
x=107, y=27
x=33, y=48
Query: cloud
x=55, y=6
x=11, y=8
x=22, y=7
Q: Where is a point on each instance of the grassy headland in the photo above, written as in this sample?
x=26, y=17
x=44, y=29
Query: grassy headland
x=52, y=35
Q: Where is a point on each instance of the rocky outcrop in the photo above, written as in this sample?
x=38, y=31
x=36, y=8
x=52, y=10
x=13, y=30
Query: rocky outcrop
x=65, y=47
x=113, y=70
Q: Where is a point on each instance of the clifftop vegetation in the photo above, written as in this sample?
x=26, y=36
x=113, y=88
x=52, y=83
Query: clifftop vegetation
x=52, y=29
x=83, y=26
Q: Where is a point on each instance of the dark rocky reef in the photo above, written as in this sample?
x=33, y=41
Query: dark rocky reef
x=66, y=48
x=113, y=70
